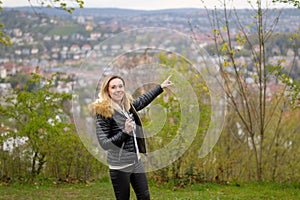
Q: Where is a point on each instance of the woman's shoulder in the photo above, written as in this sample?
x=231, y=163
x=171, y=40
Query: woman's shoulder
x=102, y=108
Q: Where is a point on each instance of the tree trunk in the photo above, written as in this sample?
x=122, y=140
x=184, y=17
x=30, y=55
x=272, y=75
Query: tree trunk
x=41, y=163
x=33, y=164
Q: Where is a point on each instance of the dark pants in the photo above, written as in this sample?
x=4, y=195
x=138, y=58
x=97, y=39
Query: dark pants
x=134, y=175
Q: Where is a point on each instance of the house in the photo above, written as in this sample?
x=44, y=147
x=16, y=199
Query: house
x=17, y=32
x=116, y=47
x=75, y=48
x=34, y=50
x=3, y=72
x=76, y=56
x=47, y=38
x=65, y=37
x=85, y=48
x=56, y=37
x=290, y=52
x=45, y=56
x=55, y=55
x=89, y=26
x=80, y=19
x=18, y=52
x=26, y=51
x=55, y=48
x=256, y=48
x=65, y=48
x=95, y=35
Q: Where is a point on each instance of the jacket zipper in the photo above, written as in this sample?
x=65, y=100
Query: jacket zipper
x=121, y=150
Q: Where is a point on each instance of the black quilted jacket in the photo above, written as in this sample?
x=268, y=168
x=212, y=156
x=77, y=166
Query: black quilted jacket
x=112, y=137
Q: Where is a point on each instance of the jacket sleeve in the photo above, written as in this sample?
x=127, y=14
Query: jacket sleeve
x=145, y=99
x=105, y=136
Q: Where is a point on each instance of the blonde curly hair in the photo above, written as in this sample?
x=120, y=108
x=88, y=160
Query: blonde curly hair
x=104, y=105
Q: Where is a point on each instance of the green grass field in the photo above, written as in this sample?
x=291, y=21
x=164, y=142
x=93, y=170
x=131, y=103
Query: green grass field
x=103, y=190
x=68, y=30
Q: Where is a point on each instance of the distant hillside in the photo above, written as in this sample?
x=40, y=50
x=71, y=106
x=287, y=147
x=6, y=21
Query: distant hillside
x=117, y=12
x=112, y=12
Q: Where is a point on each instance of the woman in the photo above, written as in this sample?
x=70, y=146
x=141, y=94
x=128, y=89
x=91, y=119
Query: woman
x=119, y=132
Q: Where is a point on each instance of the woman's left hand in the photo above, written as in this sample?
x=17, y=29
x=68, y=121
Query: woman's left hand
x=167, y=83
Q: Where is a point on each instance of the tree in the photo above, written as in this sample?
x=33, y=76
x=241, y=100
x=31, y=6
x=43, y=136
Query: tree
x=58, y=4
x=294, y=87
x=4, y=39
x=295, y=3
x=247, y=84
x=35, y=114
x=182, y=170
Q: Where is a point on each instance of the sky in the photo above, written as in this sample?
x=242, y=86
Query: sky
x=146, y=4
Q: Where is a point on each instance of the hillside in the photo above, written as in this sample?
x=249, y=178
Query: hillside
x=51, y=37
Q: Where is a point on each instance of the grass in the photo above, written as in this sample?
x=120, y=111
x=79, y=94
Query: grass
x=67, y=30
x=103, y=190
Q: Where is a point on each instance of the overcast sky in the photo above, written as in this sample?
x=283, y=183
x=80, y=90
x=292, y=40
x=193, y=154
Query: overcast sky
x=143, y=4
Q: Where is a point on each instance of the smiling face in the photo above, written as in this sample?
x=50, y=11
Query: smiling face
x=116, y=90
